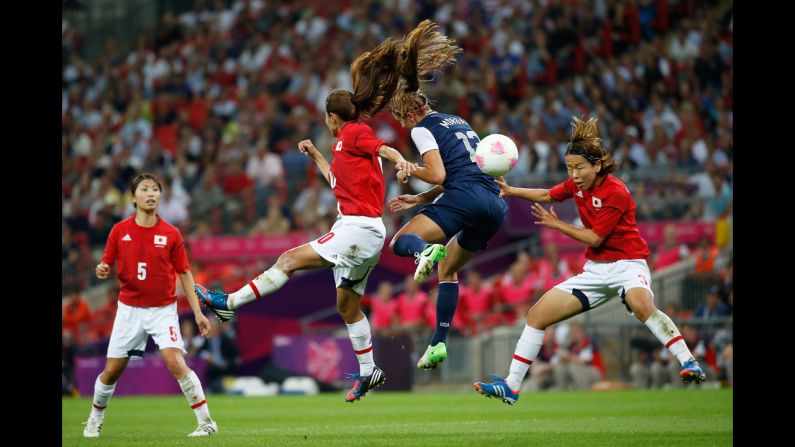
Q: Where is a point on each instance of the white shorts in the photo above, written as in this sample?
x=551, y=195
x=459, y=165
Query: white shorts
x=354, y=246
x=602, y=281
x=133, y=326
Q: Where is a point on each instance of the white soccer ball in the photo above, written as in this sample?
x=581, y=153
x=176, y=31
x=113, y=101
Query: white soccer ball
x=496, y=155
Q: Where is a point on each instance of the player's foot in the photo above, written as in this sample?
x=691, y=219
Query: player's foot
x=499, y=389
x=205, y=430
x=433, y=356
x=215, y=300
x=425, y=261
x=692, y=372
x=93, y=426
x=364, y=384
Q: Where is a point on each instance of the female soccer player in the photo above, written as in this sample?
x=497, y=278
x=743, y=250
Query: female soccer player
x=616, y=263
x=468, y=213
x=353, y=246
x=149, y=251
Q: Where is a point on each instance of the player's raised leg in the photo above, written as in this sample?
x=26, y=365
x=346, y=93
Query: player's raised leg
x=419, y=239
x=271, y=280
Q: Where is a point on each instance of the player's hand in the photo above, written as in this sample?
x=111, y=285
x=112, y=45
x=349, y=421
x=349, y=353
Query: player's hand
x=546, y=218
x=203, y=323
x=403, y=202
x=404, y=170
x=308, y=148
x=505, y=188
x=103, y=270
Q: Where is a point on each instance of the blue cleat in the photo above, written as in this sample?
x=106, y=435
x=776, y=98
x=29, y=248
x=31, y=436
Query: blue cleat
x=692, y=372
x=215, y=301
x=499, y=389
x=364, y=384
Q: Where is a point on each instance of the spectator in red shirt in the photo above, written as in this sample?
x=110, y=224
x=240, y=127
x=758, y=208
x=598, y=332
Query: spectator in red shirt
x=76, y=316
x=411, y=305
x=383, y=309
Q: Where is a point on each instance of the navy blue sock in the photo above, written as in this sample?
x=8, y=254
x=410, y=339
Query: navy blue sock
x=445, y=309
x=408, y=244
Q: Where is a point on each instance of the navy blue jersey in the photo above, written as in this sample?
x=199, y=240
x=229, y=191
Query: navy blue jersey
x=456, y=142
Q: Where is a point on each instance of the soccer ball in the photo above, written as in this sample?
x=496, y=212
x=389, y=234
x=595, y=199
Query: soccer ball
x=496, y=155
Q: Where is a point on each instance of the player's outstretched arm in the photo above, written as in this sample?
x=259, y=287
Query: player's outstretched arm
x=186, y=279
x=404, y=168
x=407, y=201
x=308, y=148
x=531, y=194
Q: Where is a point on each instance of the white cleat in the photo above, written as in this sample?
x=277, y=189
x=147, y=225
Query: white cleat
x=93, y=426
x=205, y=430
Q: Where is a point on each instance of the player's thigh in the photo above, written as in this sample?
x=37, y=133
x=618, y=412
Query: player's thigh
x=304, y=257
x=489, y=212
x=553, y=307
x=457, y=256
x=424, y=227
x=162, y=323
x=128, y=337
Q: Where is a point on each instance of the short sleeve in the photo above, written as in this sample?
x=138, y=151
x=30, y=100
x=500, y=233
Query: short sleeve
x=562, y=191
x=423, y=139
x=179, y=257
x=366, y=142
x=111, y=246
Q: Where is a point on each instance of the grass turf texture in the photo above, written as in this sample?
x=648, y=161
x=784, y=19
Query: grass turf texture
x=690, y=417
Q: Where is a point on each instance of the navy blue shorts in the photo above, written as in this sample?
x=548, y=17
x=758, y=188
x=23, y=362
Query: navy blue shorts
x=470, y=211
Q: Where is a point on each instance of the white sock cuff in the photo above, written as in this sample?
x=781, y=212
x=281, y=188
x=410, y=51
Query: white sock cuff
x=98, y=385
x=360, y=328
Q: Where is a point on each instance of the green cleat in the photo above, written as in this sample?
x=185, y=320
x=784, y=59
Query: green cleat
x=433, y=356
x=425, y=261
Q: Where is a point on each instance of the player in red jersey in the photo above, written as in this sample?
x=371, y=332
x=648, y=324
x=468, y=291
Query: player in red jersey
x=353, y=246
x=616, y=264
x=150, y=254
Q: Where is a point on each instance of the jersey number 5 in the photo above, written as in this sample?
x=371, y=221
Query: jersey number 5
x=142, y=271
x=471, y=135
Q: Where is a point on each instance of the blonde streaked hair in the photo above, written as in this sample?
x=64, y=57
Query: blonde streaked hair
x=586, y=143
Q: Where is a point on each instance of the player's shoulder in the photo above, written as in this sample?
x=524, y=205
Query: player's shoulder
x=123, y=224
x=614, y=186
x=165, y=227
x=356, y=128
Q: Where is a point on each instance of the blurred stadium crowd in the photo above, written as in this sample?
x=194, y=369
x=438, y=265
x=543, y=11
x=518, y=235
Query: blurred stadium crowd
x=216, y=97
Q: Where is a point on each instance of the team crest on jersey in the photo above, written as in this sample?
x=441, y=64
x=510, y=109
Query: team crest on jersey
x=339, y=146
x=160, y=241
x=597, y=202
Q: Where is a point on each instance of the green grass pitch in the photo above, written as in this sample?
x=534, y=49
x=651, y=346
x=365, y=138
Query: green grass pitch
x=688, y=417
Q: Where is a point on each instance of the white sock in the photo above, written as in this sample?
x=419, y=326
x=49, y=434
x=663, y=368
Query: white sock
x=527, y=349
x=665, y=330
x=102, y=394
x=359, y=334
x=192, y=389
x=268, y=282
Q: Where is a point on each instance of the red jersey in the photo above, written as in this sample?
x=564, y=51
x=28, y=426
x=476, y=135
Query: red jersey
x=355, y=175
x=148, y=259
x=609, y=211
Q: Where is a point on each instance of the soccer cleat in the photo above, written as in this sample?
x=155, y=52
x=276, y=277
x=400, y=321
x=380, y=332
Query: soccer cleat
x=425, y=261
x=433, y=356
x=692, y=372
x=364, y=384
x=215, y=300
x=205, y=430
x=499, y=389
x=93, y=427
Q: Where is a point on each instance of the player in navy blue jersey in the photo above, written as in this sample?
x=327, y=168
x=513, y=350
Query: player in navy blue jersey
x=464, y=206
